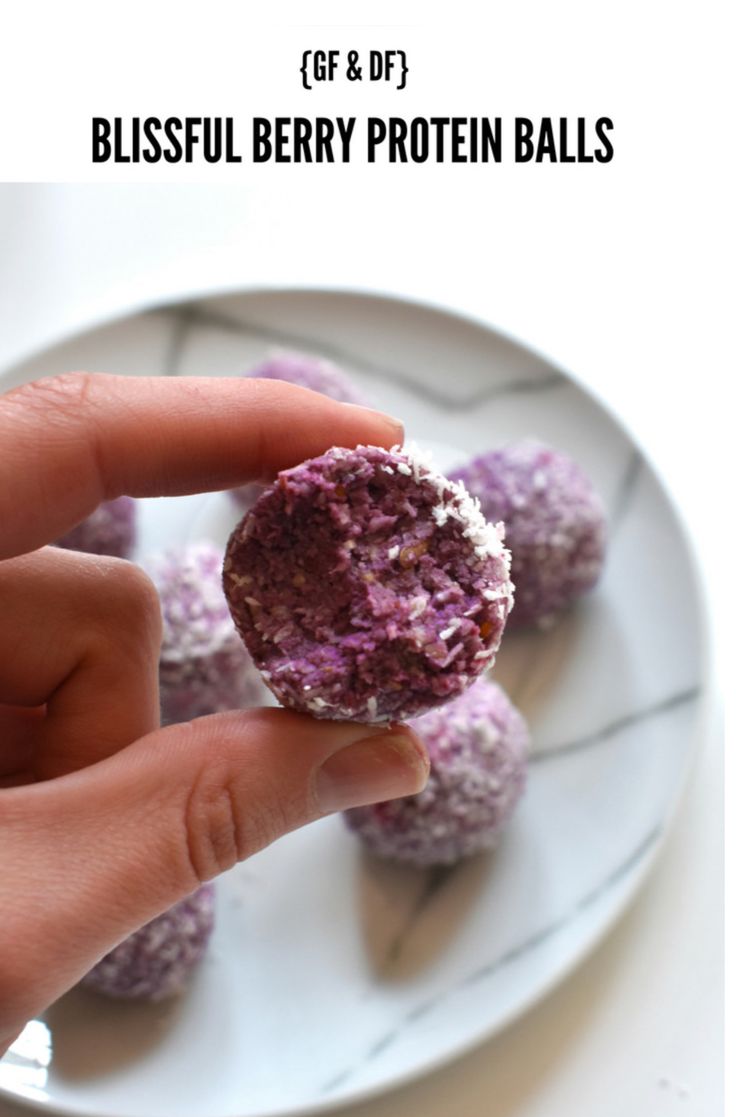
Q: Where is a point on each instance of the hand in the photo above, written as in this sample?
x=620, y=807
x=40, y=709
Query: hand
x=106, y=819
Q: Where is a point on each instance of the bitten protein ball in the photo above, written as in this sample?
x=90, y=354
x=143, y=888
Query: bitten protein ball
x=478, y=748
x=555, y=524
x=157, y=961
x=203, y=667
x=109, y=530
x=307, y=372
x=367, y=587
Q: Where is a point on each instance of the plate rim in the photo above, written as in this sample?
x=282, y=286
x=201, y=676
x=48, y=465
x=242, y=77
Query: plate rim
x=703, y=709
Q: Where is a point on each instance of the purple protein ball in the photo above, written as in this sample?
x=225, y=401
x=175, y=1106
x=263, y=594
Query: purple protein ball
x=307, y=372
x=157, y=961
x=203, y=666
x=109, y=530
x=478, y=748
x=555, y=524
x=367, y=587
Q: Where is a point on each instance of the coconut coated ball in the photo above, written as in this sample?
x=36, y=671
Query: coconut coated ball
x=203, y=666
x=478, y=748
x=109, y=530
x=307, y=372
x=554, y=519
x=367, y=587
x=157, y=961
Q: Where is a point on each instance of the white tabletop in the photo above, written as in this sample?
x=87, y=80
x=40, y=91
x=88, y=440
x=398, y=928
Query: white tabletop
x=637, y=1028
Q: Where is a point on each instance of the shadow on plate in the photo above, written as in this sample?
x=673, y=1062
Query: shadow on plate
x=411, y=916
x=93, y=1035
x=531, y=661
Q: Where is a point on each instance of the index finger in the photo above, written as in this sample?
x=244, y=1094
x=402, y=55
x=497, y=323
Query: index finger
x=69, y=442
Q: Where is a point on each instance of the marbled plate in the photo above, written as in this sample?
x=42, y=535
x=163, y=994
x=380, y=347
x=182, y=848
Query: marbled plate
x=332, y=976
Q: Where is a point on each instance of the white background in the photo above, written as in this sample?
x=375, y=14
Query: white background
x=619, y=272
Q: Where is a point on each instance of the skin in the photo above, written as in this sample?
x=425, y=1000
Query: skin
x=106, y=819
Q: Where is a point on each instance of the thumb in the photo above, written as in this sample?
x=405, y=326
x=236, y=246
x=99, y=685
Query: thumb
x=101, y=851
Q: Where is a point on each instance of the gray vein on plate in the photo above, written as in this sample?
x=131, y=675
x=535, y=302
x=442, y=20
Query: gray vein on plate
x=622, y=499
x=620, y=871
x=434, y=882
x=587, y=900
x=681, y=698
x=217, y=320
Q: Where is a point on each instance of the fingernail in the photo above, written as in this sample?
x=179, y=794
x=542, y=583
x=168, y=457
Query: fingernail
x=386, y=766
x=396, y=426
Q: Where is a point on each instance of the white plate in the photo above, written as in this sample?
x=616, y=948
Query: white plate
x=331, y=976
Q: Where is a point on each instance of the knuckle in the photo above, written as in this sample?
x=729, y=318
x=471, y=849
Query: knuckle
x=212, y=827
x=221, y=828
x=122, y=614
x=64, y=407
x=65, y=391
x=132, y=598
x=139, y=591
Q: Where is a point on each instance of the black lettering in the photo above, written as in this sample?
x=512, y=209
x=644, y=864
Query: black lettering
x=101, y=149
x=345, y=128
x=230, y=155
x=458, y=141
x=152, y=153
x=565, y=156
x=439, y=123
x=419, y=140
x=601, y=127
x=281, y=141
x=302, y=136
x=376, y=136
x=190, y=136
x=135, y=126
x=397, y=140
x=324, y=130
x=491, y=138
x=117, y=142
x=262, y=148
x=523, y=130
x=582, y=157
x=212, y=139
x=173, y=154
x=546, y=143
